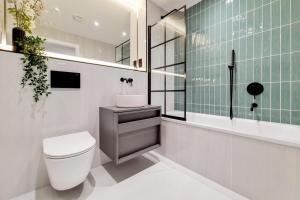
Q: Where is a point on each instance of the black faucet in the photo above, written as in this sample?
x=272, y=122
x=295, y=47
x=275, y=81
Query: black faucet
x=253, y=105
x=127, y=80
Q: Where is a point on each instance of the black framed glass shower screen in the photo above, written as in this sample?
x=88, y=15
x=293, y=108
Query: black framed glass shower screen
x=167, y=64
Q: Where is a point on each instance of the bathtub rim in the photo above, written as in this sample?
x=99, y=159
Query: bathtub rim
x=285, y=139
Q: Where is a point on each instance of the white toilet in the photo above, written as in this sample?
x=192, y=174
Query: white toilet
x=68, y=159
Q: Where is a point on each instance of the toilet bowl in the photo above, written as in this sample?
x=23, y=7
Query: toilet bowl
x=68, y=159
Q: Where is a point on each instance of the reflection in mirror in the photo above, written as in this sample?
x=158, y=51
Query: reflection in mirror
x=94, y=29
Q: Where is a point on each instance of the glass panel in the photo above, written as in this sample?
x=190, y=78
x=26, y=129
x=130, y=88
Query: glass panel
x=126, y=61
x=175, y=77
x=175, y=105
x=175, y=51
x=126, y=50
x=175, y=25
x=157, y=80
x=157, y=99
x=157, y=57
x=119, y=53
x=157, y=34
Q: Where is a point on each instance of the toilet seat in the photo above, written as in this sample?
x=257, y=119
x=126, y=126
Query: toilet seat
x=68, y=146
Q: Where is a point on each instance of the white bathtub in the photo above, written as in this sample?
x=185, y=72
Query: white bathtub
x=259, y=160
x=283, y=134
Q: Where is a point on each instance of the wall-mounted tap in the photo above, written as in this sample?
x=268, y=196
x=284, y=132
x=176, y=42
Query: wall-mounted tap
x=253, y=105
x=127, y=80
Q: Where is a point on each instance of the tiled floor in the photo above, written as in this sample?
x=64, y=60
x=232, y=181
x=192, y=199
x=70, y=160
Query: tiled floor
x=157, y=182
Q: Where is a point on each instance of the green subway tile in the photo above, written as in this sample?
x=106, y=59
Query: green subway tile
x=223, y=95
x=295, y=5
x=285, y=67
x=250, y=47
x=275, y=69
x=229, y=30
x=243, y=43
x=258, y=3
x=275, y=14
x=285, y=12
x=243, y=6
x=265, y=115
x=265, y=96
x=295, y=95
x=275, y=41
x=223, y=11
x=258, y=45
x=275, y=95
x=266, y=69
x=223, y=31
x=266, y=43
x=296, y=117
x=223, y=53
x=241, y=70
x=236, y=9
x=285, y=116
x=243, y=25
x=257, y=70
x=250, y=5
x=285, y=95
x=249, y=114
x=295, y=37
x=275, y=116
x=229, y=10
x=250, y=71
x=242, y=112
x=258, y=20
x=295, y=68
x=266, y=17
x=250, y=23
x=285, y=39
x=236, y=29
x=266, y=2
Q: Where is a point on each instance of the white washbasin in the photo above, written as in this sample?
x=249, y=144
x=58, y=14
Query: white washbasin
x=131, y=101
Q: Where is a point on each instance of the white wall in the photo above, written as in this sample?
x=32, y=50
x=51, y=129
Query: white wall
x=24, y=125
x=255, y=169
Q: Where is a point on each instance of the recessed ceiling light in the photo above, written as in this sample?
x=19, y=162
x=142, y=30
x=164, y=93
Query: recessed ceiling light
x=96, y=23
x=57, y=9
x=124, y=33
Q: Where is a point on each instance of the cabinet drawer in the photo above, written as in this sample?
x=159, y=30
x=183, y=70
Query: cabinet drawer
x=137, y=125
x=137, y=115
x=138, y=140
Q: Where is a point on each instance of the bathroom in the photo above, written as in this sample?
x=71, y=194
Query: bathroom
x=150, y=99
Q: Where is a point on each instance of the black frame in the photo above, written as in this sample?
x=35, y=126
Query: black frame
x=150, y=47
x=122, y=59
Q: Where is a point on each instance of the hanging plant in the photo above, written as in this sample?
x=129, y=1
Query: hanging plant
x=35, y=67
x=25, y=13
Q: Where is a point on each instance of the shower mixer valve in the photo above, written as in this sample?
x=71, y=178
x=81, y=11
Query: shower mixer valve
x=255, y=89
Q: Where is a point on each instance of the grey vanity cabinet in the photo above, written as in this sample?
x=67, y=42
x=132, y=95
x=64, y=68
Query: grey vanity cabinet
x=129, y=132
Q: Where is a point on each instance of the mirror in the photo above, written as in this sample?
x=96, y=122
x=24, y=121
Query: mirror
x=105, y=30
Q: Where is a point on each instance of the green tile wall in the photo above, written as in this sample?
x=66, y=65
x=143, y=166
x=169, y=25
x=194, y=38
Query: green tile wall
x=266, y=37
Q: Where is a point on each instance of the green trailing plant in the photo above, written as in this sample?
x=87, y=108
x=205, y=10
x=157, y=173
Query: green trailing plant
x=25, y=13
x=35, y=66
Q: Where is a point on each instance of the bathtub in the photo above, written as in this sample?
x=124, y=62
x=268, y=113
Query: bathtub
x=284, y=134
x=259, y=160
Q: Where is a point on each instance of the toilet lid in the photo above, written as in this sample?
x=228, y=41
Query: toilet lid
x=68, y=145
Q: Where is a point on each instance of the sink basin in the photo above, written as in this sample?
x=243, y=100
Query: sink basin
x=131, y=101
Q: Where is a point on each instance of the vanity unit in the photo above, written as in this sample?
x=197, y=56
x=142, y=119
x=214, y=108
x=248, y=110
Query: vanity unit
x=129, y=132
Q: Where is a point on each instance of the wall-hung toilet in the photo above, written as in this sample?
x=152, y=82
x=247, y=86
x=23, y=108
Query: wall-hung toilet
x=68, y=159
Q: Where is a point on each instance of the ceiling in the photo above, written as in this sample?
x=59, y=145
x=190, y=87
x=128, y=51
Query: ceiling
x=169, y=5
x=113, y=19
